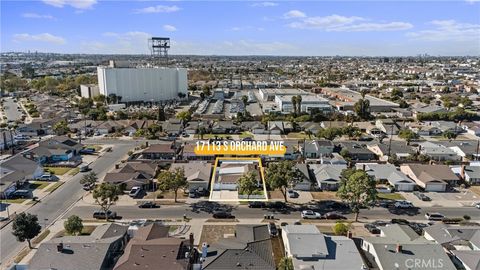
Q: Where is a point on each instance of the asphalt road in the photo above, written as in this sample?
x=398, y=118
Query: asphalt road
x=11, y=109
x=57, y=203
x=242, y=211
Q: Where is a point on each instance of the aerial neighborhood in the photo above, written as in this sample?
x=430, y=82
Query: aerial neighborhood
x=124, y=161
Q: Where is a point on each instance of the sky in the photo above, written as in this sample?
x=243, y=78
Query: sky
x=291, y=28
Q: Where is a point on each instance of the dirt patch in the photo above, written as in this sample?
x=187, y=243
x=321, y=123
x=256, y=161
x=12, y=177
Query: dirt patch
x=275, y=195
x=212, y=233
x=278, y=249
x=475, y=189
x=324, y=195
x=166, y=195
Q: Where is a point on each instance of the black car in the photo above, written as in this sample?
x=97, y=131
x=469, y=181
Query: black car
x=222, y=214
x=147, y=205
x=101, y=214
x=256, y=205
x=421, y=196
x=400, y=221
x=277, y=205
x=372, y=228
x=272, y=229
x=21, y=193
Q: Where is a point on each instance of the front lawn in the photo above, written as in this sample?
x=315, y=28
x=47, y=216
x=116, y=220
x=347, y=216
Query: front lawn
x=39, y=185
x=57, y=170
x=390, y=196
x=54, y=187
x=245, y=134
x=299, y=135
x=324, y=195
x=74, y=171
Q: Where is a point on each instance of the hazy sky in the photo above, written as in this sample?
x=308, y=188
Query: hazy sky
x=372, y=28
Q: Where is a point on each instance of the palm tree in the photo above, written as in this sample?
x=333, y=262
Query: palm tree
x=294, y=104
x=299, y=104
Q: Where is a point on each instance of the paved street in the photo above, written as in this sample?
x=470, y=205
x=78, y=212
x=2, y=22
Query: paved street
x=11, y=110
x=55, y=205
x=177, y=211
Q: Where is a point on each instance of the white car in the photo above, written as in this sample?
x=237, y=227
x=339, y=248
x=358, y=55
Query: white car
x=403, y=204
x=434, y=216
x=477, y=205
x=135, y=191
x=309, y=214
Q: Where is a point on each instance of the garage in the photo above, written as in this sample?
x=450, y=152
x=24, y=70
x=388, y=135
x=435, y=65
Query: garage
x=435, y=186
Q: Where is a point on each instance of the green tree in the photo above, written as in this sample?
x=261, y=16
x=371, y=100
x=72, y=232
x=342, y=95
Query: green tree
x=294, y=104
x=61, y=127
x=175, y=181
x=161, y=114
x=397, y=93
x=25, y=227
x=247, y=184
x=90, y=179
x=351, y=132
x=362, y=107
x=185, y=116
x=449, y=135
x=73, y=225
x=341, y=228
x=357, y=188
x=407, y=135
x=28, y=71
x=106, y=195
x=281, y=175
x=329, y=133
x=285, y=263
x=245, y=101
x=206, y=91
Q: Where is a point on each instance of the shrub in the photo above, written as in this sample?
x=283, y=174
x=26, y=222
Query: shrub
x=341, y=228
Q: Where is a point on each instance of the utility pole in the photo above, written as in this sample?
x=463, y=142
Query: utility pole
x=390, y=142
x=478, y=148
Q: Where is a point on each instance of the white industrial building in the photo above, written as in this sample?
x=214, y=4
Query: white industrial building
x=309, y=102
x=89, y=90
x=135, y=84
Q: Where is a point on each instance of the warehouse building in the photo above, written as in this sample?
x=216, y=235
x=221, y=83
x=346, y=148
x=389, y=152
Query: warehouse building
x=309, y=103
x=135, y=84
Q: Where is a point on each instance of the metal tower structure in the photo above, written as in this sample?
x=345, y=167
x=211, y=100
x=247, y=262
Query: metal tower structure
x=159, y=47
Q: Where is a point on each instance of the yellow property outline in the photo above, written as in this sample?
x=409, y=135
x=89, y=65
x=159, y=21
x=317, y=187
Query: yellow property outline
x=260, y=167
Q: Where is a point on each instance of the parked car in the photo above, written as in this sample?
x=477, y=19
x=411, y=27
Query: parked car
x=202, y=191
x=400, y=221
x=222, y=214
x=84, y=168
x=88, y=186
x=309, y=214
x=403, y=204
x=45, y=177
x=147, y=205
x=421, y=196
x=385, y=203
x=272, y=229
x=277, y=205
x=21, y=193
x=101, y=214
x=192, y=193
x=87, y=151
x=434, y=216
x=134, y=192
x=372, y=228
x=256, y=204
x=292, y=194
x=383, y=189
x=477, y=205
x=333, y=215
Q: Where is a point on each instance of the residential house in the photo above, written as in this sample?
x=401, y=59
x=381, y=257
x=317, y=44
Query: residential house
x=396, y=149
x=317, y=148
x=467, y=150
x=470, y=174
x=161, y=151
x=228, y=174
x=98, y=251
x=472, y=128
x=107, y=127
x=198, y=174
x=311, y=249
x=423, y=129
x=276, y=127
x=152, y=247
x=399, y=247
x=173, y=127
x=388, y=173
x=15, y=171
x=56, y=149
x=427, y=109
x=187, y=152
x=357, y=151
x=132, y=174
x=250, y=248
x=387, y=126
x=327, y=175
x=312, y=127
x=303, y=182
x=430, y=177
x=37, y=127
x=255, y=127
x=224, y=127
x=438, y=152
x=461, y=241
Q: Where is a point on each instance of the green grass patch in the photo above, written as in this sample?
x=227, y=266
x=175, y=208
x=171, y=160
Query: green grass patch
x=58, y=170
x=173, y=228
x=40, y=237
x=21, y=255
x=219, y=136
x=39, y=185
x=245, y=134
x=390, y=196
x=18, y=200
x=53, y=187
x=74, y=171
